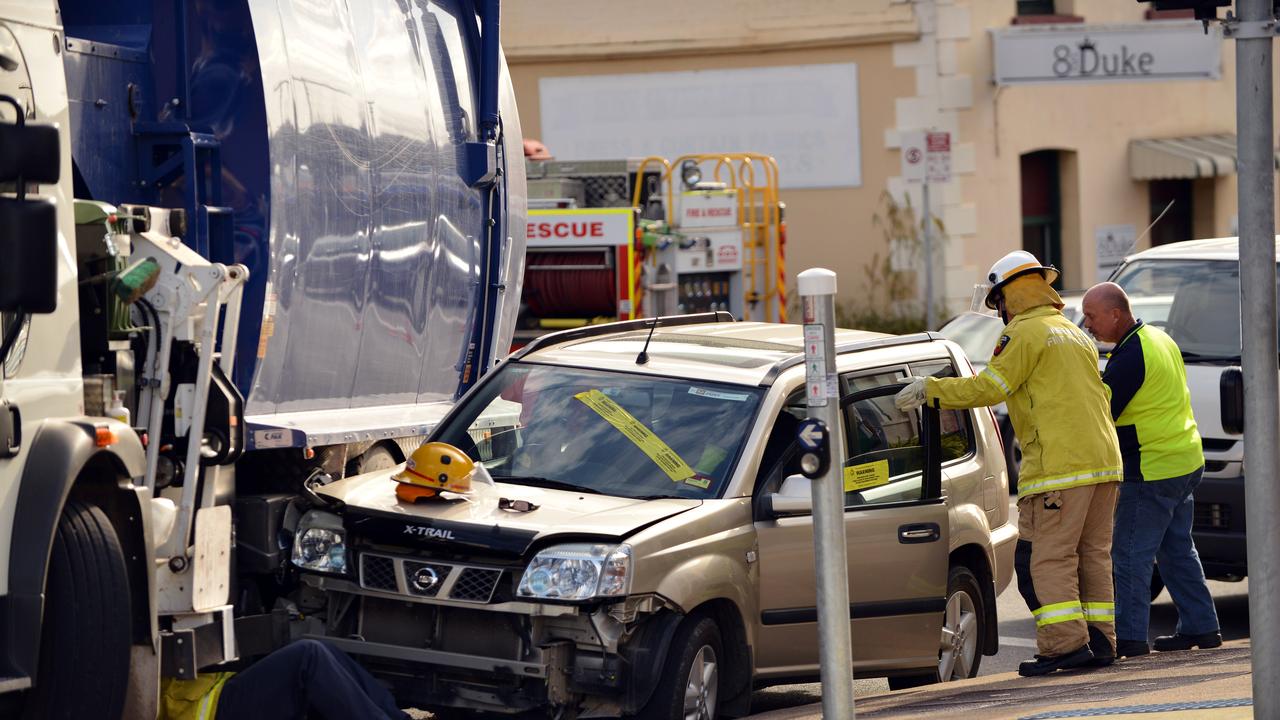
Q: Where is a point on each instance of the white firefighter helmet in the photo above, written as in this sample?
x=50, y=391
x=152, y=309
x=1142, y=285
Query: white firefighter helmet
x=1015, y=264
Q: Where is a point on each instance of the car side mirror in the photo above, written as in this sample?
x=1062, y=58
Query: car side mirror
x=29, y=153
x=792, y=499
x=1231, y=407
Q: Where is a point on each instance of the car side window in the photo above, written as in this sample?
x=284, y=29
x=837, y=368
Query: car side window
x=957, y=425
x=885, y=455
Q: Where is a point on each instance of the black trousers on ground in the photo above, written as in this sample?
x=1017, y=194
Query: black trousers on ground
x=306, y=676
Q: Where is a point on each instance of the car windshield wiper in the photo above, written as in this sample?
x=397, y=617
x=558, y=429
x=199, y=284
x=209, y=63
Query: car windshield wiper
x=535, y=481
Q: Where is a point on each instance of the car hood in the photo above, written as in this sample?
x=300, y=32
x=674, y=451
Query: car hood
x=370, y=509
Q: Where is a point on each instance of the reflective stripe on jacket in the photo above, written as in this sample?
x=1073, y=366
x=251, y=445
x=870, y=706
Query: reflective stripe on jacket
x=192, y=699
x=1151, y=405
x=1046, y=370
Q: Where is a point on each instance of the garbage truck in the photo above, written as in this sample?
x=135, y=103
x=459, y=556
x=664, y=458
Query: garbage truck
x=246, y=247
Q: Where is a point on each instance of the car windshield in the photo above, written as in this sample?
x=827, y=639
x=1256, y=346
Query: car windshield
x=613, y=433
x=1196, y=301
x=976, y=334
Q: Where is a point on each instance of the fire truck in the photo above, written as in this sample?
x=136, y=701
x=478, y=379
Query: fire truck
x=623, y=239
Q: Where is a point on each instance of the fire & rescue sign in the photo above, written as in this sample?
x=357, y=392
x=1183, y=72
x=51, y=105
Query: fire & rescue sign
x=580, y=227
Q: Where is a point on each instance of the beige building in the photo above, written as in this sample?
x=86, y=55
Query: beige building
x=1071, y=125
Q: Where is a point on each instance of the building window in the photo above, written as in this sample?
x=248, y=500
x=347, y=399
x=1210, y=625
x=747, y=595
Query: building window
x=1035, y=7
x=1042, y=208
x=1040, y=12
x=1178, y=223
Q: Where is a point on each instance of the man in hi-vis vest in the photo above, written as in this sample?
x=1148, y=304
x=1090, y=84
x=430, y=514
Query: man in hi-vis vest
x=1046, y=370
x=1163, y=462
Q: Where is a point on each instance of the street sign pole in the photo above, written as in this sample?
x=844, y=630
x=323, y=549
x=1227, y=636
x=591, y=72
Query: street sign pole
x=817, y=296
x=1253, y=33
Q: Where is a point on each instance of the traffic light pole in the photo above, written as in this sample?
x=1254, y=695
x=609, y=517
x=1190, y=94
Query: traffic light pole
x=817, y=296
x=1254, y=31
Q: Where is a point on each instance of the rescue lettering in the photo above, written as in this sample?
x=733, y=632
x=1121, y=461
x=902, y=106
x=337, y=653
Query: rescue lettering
x=585, y=230
x=428, y=532
x=709, y=212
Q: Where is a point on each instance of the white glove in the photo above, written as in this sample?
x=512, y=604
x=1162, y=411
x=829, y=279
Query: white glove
x=910, y=397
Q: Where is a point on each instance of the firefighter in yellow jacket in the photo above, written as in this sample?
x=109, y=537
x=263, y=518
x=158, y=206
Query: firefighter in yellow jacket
x=1046, y=370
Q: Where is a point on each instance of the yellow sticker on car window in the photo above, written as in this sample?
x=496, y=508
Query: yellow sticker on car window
x=659, y=452
x=866, y=475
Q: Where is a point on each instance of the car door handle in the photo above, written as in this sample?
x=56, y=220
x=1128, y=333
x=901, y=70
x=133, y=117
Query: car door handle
x=919, y=533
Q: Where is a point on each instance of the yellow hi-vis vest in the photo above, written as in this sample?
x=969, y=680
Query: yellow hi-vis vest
x=192, y=699
x=1046, y=370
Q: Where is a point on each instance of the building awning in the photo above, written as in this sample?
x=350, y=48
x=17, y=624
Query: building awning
x=1192, y=156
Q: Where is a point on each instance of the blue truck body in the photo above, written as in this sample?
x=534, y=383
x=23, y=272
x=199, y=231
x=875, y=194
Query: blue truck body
x=338, y=151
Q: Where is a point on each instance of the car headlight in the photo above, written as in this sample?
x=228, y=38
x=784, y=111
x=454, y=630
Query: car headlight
x=320, y=543
x=580, y=571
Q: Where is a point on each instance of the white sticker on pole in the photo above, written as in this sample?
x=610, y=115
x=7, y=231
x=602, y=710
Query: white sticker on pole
x=815, y=366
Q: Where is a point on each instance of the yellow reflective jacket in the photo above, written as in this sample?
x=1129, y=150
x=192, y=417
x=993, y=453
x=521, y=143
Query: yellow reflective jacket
x=1046, y=370
x=192, y=699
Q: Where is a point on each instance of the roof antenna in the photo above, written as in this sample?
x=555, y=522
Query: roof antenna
x=643, y=357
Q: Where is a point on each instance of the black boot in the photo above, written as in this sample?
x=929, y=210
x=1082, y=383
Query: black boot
x=1165, y=643
x=1043, y=665
x=1100, y=646
x=1132, y=648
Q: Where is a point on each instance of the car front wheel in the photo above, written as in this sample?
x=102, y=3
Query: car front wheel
x=690, y=685
x=963, y=626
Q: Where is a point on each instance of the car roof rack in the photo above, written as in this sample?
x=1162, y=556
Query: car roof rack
x=857, y=345
x=589, y=331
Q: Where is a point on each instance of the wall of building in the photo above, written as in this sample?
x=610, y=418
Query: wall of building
x=921, y=64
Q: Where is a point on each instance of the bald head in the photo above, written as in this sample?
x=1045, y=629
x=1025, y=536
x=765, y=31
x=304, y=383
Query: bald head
x=1106, y=312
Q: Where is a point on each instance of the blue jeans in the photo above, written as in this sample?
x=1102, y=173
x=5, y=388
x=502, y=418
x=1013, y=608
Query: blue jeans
x=1153, y=522
x=305, y=677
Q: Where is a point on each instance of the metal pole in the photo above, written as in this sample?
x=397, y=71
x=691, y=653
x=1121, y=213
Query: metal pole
x=817, y=294
x=1258, y=331
x=928, y=262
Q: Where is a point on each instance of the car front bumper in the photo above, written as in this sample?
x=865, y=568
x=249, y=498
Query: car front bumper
x=1219, y=527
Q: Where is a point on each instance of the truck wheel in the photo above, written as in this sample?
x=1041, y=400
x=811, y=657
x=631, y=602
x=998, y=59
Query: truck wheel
x=376, y=458
x=84, y=644
x=690, y=685
x=963, y=627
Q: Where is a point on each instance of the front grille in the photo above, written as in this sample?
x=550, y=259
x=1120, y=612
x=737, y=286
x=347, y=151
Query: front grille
x=1217, y=444
x=475, y=585
x=377, y=572
x=425, y=579
x=1214, y=466
x=420, y=578
x=1212, y=516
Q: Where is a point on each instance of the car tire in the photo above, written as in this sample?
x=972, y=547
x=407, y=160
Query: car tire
x=1157, y=583
x=963, y=627
x=690, y=684
x=84, y=644
x=1012, y=455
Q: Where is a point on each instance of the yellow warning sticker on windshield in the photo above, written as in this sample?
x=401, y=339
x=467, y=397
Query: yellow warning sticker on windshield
x=866, y=475
x=659, y=452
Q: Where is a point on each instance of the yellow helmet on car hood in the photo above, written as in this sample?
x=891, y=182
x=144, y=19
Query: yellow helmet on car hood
x=433, y=467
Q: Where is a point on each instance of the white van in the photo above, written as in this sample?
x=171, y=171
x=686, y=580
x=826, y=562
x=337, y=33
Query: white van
x=1191, y=290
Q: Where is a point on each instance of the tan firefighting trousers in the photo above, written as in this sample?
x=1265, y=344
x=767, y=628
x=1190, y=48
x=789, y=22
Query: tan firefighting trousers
x=1063, y=561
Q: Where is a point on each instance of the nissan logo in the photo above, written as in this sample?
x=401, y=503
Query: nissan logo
x=425, y=579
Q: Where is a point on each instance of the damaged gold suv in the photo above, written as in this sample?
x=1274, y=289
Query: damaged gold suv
x=645, y=547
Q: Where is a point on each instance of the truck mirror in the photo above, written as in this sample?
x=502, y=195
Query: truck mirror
x=28, y=151
x=1231, y=407
x=29, y=246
